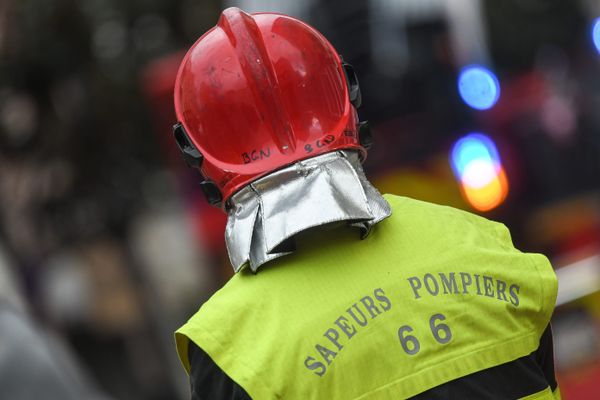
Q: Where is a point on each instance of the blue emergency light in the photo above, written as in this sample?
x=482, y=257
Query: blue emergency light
x=478, y=87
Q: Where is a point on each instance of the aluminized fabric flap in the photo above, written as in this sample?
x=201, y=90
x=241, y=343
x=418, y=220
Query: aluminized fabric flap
x=264, y=217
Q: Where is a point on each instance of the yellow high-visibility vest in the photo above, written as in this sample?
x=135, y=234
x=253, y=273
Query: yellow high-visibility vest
x=431, y=295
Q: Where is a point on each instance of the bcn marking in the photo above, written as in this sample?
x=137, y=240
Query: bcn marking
x=256, y=155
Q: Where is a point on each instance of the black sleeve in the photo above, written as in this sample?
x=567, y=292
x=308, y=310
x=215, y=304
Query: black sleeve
x=544, y=356
x=208, y=381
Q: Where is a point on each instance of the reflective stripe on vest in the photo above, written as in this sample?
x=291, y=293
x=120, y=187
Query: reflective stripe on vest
x=433, y=294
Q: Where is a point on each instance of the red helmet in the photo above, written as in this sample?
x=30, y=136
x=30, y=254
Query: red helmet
x=259, y=92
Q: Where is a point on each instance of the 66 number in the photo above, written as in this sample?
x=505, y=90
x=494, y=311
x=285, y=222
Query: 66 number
x=441, y=333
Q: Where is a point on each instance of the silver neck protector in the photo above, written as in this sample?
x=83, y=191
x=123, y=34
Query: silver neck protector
x=264, y=217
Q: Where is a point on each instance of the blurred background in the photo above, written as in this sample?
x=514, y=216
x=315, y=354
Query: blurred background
x=107, y=245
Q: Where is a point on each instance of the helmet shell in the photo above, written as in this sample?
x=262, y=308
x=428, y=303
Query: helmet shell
x=259, y=92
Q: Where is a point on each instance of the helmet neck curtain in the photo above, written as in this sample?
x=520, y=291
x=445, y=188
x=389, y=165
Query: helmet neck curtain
x=264, y=217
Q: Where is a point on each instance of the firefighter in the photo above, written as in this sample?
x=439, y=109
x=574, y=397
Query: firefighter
x=339, y=292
